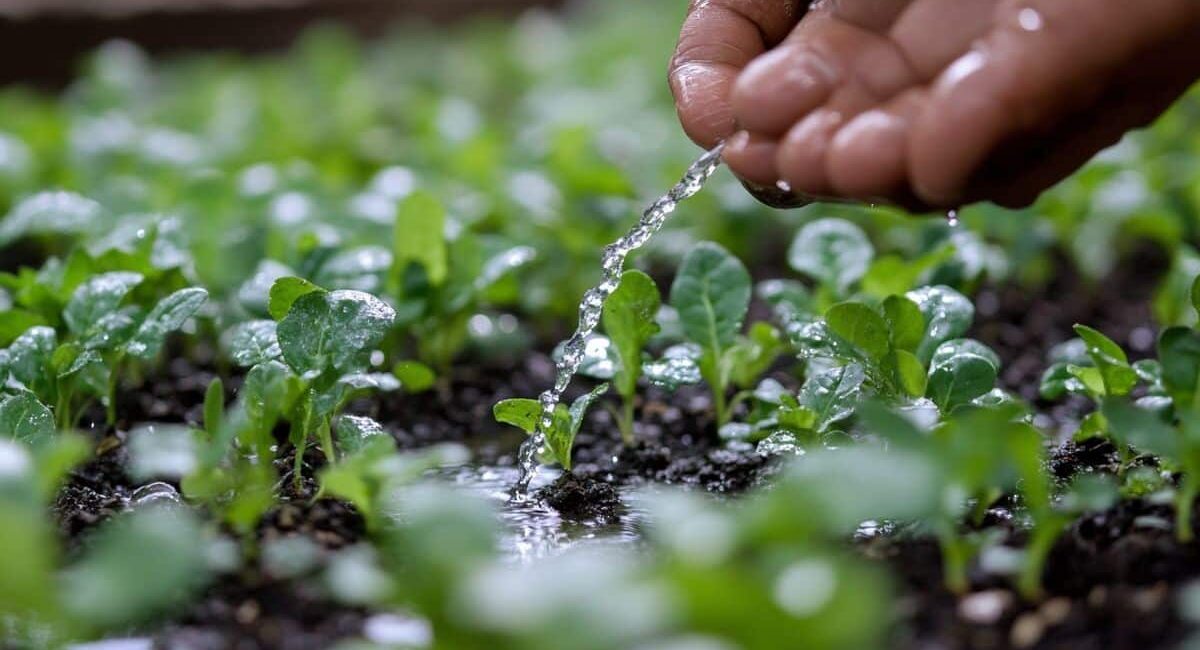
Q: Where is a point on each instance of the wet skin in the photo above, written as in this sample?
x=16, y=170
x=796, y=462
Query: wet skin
x=926, y=103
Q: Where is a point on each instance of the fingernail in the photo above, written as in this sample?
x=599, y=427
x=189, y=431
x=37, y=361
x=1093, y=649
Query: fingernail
x=779, y=197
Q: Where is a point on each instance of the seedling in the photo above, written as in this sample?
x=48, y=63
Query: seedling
x=103, y=327
x=628, y=320
x=310, y=363
x=560, y=439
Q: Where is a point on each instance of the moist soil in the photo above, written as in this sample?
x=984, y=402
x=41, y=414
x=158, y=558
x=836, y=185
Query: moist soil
x=1111, y=581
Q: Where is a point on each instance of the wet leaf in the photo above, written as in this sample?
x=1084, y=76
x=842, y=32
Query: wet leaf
x=98, y=298
x=712, y=294
x=29, y=358
x=251, y=343
x=420, y=236
x=414, y=376
x=1119, y=378
x=354, y=432
x=561, y=437
x=498, y=266
x=1142, y=429
x=833, y=251
x=833, y=394
x=912, y=374
x=948, y=315
x=960, y=379
x=333, y=330
x=24, y=418
x=956, y=347
x=678, y=366
x=628, y=320
x=860, y=326
x=906, y=322
x=50, y=213
x=255, y=293
x=1179, y=353
x=520, y=412
x=162, y=452
x=285, y=292
x=167, y=316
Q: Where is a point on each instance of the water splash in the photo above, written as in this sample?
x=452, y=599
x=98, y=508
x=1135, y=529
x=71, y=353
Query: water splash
x=952, y=218
x=593, y=302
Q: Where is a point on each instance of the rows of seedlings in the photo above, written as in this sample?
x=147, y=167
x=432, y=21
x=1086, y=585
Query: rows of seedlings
x=272, y=330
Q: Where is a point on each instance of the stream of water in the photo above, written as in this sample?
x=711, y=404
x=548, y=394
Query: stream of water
x=590, y=307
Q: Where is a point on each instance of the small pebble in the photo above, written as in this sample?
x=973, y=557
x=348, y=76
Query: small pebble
x=1055, y=611
x=985, y=607
x=1027, y=631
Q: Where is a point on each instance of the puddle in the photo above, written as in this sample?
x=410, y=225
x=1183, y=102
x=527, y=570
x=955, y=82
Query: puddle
x=531, y=530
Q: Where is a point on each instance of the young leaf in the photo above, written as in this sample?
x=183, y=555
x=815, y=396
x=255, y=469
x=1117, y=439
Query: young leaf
x=1119, y=377
x=833, y=251
x=860, y=326
x=214, y=406
x=414, y=376
x=24, y=418
x=678, y=366
x=167, y=316
x=1141, y=429
x=50, y=213
x=354, y=432
x=906, y=321
x=956, y=347
x=251, y=343
x=1179, y=353
x=959, y=380
x=98, y=298
x=833, y=394
x=561, y=437
x=948, y=315
x=29, y=358
x=911, y=373
x=287, y=291
x=629, y=322
x=519, y=412
x=712, y=294
x=333, y=330
x=420, y=236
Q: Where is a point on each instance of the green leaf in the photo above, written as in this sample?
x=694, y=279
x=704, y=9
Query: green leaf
x=1119, y=378
x=354, y=432
x=712, y=295
x=1195, y=294
x=906, y=322
x=629, y=322
x=1179, y=353
x=285, y=292
x=678, y=366
x=860, y=326
x=1142, y=429
x=1055, y=382
x=251, y=343
x=789, y=299
x=833, y=394
x=911, y=373
x=333, y=330
x=29, y=358
x=420, y=236
x=50, y=213
x=167, y=316
x=948, y=315
x=24, y=418
x=959, y=380
x=266, y=394
x=833, y=251
x=98, y=298
x=561, y=437
x=501, y=264
x=956, y=347
x=214, y=406
x=15, y=322
x=140, y=565
x=753, y=354
x=414, y=376
x=520, y=412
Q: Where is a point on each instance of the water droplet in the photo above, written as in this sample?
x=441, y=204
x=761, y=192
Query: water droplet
x=1030, y=20
x=593, y=302
x=952, y=218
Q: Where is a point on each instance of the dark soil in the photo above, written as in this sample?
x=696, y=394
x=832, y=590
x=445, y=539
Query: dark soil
x=582, y=498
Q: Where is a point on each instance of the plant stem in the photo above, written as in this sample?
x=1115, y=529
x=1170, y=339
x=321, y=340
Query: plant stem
x=626, y=421
x=326, y=437
x=954, y=562
x=1029, y=583
x=1183, y=508
x=114, y=378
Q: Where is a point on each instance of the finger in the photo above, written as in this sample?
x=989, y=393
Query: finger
x=752, y=158
x=718, y=39
x=1028, y=73
x=868, y=157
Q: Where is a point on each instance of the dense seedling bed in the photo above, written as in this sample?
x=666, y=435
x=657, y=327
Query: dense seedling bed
x=272, y=331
